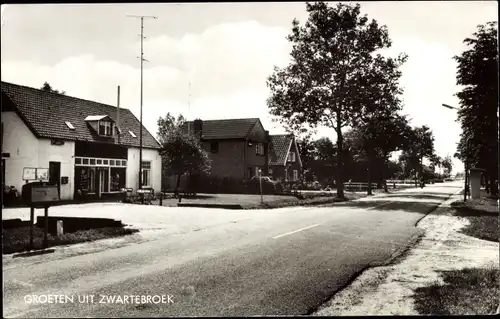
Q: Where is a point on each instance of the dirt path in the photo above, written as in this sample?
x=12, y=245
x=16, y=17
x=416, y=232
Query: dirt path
x=388, y=290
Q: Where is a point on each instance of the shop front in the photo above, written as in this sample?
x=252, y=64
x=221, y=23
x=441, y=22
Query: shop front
x=99, y=177
x=100, y=170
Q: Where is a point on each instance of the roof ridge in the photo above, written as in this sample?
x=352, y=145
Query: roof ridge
x=62, y=95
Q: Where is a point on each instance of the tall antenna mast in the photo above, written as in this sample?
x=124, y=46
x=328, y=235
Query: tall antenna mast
x=142, y=61
x=189, y=107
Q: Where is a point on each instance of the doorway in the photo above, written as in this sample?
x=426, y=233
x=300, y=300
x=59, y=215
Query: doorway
x=103, y=180
x=55, y=175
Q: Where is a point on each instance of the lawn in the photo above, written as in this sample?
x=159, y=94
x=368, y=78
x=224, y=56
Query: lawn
x=482, y=214
x=470, y=291
x=250, y=201
x=16, y=240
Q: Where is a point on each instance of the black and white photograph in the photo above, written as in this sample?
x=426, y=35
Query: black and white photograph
x=237, y=159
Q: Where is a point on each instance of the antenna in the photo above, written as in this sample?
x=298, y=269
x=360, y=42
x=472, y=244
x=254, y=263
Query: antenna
x=189, y=107
x=142, y=61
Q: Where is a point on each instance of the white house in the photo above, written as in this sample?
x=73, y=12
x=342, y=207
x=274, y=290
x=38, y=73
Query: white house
x=89, y=148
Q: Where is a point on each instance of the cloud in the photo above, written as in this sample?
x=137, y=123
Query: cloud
x=227, y=65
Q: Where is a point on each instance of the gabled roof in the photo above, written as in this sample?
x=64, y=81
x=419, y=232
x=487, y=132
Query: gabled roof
x=279, y=147
x=45, y=113
x=224, y=129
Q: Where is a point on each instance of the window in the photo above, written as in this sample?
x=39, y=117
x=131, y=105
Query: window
x=146, y=173
x=105, y=128
x=78, y=160
x=132, y=134
x=259, y=149
x=69, y=125
x=124, y=163
x=291, y=157
x=295, y=175
x=111, y=162
x=214, y=147
x=99, y=162
x=117, y=175
x=92, y=161
x=86, y=161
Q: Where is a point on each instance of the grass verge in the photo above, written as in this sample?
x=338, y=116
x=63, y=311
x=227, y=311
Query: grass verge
x=307, y=200
x=482, y=214
x=470, y=291
x=16, y=240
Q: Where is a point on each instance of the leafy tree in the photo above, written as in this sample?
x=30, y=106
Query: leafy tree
x=419, y=145
x=447, y=163
x=181, y=154
x=168, y=125
x=324, y=83
x=324, y=149
x=477, y=74
x=47, y=87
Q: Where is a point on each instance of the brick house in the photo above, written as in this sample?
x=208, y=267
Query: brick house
x=238, y=148
x=284, y=158
x=88, y=147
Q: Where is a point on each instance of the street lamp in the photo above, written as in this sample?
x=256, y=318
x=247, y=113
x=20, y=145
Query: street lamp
x=466, y=163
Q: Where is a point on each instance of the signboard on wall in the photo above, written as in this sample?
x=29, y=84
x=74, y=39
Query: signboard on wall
x=29, y=173
x=35, y=174
x=42, y=174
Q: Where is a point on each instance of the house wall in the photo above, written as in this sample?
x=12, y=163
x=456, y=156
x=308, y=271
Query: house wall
x=63, y=154
x=132, y=180
x=280, y=173
x=27, y=151
x=228, y=161
x=254, y=160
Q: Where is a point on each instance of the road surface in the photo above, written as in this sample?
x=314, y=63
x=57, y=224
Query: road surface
x=269, y=262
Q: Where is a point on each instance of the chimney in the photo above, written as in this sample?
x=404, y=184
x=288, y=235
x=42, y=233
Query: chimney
x=118, y=115
x=198, y=128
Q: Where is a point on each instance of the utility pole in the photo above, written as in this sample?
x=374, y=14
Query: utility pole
x=142, y=62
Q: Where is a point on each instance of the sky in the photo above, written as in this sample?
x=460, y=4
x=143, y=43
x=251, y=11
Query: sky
x=211, y=60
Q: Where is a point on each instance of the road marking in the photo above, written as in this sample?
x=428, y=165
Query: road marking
x=295, y=231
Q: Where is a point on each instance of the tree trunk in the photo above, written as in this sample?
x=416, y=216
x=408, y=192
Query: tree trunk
x=340, y=155
x=369, y=171
x=178, y=184
x=493, y=185
x=384, y=181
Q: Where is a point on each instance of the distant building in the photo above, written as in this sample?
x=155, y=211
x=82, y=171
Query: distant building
x=238, y=148
x=284, y=158
x=85, y=146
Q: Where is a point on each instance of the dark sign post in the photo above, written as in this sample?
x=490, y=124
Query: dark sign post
x=38, y=195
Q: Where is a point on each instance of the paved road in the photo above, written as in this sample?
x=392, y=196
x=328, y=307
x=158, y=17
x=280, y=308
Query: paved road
x=274, y=262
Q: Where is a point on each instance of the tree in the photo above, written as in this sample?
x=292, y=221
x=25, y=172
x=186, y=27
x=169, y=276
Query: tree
x=477, y=74
x=419, y=145
x=181, y=154
x=447, y=163
x=168, y=125
x=324, y=83
x=47, y=87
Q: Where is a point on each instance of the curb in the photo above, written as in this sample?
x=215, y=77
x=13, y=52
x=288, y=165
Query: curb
x=224, y=206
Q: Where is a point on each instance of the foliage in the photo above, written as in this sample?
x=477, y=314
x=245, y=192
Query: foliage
x=477, y=74
x=168, y=125
x=326, y=81
x=47, y=87
x=182, y=154
x=419, y=144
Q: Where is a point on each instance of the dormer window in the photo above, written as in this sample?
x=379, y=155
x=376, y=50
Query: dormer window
x=105, y=128
x=102, y=124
